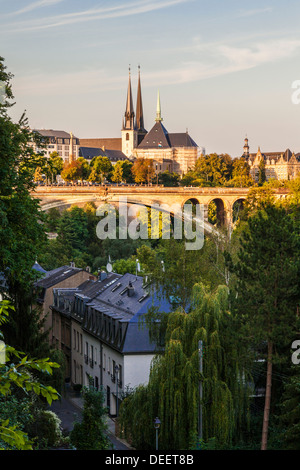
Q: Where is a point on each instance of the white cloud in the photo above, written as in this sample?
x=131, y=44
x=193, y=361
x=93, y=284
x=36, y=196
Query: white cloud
x=215, y=60
x=129, y=9
x=35, y=5
x=247, y=13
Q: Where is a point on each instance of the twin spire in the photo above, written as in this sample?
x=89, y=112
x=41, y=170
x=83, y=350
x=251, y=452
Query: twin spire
x=136, y=121
x=129, y=112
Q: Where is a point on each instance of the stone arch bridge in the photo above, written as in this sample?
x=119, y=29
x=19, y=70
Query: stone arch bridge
x=224, y=198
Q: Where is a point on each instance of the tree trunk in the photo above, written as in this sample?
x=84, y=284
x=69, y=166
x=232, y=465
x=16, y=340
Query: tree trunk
x=265, y=429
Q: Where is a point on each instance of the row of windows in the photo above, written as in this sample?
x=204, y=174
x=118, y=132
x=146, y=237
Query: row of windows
x=108, y=364
x=104, y=325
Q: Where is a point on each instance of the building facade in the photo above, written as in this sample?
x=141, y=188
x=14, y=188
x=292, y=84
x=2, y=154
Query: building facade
x=63, y=277
x=64, y=143
x=277, y=165
x=108, y=344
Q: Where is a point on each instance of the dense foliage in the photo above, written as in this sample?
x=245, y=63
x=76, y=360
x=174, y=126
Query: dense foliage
x=173, y=389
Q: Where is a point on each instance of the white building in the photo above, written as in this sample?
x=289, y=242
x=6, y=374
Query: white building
x=64, y=143
x=109, y=347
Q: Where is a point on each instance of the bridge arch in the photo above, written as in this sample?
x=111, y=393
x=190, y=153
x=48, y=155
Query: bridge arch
x=218, y=211
x=237, y=207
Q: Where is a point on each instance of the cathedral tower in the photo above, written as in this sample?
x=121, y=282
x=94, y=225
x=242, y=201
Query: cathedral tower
x=129, y=133
x=139, y=113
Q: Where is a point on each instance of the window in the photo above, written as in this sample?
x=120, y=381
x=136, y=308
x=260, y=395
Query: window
x=127, y=136
x=92, y=352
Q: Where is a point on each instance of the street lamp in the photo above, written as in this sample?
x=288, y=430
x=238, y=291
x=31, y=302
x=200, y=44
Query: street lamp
x=117, y=375
x=157, y=424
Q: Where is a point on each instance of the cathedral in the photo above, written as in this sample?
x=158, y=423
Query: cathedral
x=278, y=165
x=173, y=152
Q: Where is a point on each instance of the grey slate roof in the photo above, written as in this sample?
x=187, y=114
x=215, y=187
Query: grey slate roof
x=91, y=288
x=116, y=303
x=57, y=275
x=38, y=267
x=110, y=297
x=87, y=290
x=54, y=133
x=286, y=155
x=158, y=137
x=91, y=152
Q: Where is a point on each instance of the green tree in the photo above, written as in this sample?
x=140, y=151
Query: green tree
x=117, y=175
x=143, y=170
x=90, y=434
x=172, y=393
x=54, y=165
x=267, y=290
x=73, y=228
x=168, y=179
x=21, y=233
x=241, y=177
x=52, y=218
x=289, y=417
x=100, y=168
x=84, y=168
x=262, y=173
x=18, y=372
x=213, y=168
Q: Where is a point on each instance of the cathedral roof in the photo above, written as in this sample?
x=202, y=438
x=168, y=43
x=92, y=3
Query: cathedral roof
x=182, y=139
x=158, y=137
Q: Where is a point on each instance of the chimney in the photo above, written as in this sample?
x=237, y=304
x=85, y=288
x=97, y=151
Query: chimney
x=130, y=290
x=102, y=275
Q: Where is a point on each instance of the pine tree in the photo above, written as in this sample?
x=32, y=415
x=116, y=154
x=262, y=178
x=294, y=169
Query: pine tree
x=267, y=290
x=289, y=418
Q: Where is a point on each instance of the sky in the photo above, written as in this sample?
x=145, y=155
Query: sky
x=224, y=68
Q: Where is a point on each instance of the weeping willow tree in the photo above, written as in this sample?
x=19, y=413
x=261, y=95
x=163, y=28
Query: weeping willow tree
x=172, y=392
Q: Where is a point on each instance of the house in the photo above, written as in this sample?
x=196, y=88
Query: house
x=109, y=341
x=64, y=143
x=64, y=277
x=283, y=165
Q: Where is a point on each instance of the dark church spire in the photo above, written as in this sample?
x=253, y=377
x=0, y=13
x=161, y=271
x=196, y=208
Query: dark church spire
x=129, y=112
x=139, y=107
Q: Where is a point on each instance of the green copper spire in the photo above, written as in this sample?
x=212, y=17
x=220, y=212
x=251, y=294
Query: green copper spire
x=158, y=110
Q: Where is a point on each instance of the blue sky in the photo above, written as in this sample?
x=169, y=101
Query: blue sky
x=224, y=68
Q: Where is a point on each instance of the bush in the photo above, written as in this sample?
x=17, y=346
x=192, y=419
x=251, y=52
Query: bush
x=46, y=429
